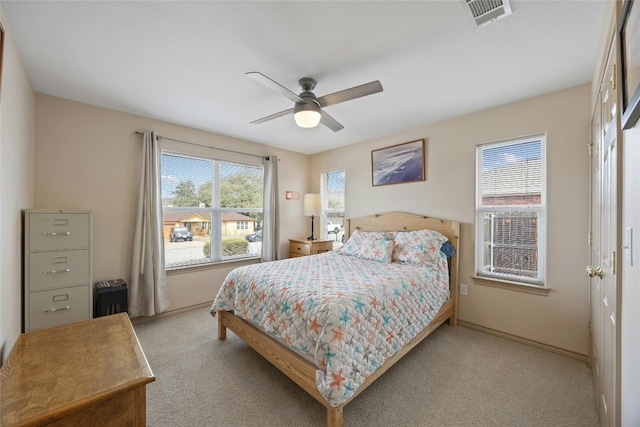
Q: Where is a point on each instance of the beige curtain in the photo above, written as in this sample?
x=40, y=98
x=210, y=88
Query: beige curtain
x=270, y=228
x=148, y=288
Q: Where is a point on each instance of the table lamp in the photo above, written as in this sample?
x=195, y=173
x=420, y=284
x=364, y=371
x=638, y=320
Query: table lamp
x=312, y=209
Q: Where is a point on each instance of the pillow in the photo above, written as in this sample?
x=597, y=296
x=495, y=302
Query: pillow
x=375, y=248
x=418, y=247
x=354, y=244
x=448, y=249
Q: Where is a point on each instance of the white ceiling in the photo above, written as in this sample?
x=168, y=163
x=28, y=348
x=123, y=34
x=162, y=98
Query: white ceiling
x=184, y=62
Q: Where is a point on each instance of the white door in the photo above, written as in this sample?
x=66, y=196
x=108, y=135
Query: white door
x=595, y=260
x=603, y=268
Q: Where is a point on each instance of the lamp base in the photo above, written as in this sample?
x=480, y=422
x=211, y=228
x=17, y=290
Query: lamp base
x=312, y=237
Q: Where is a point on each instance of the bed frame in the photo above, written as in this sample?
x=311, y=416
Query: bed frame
x=303, y=372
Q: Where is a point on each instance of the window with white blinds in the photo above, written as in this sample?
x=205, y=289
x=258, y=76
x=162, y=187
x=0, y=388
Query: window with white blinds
x=333, y=189
x=510, y=210
x=212, y=210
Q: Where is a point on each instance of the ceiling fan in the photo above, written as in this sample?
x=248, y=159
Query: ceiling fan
x=308, y=111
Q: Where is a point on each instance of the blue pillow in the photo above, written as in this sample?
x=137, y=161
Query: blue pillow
x=447, y=249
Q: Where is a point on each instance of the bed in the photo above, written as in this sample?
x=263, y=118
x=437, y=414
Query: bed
x=335, y=322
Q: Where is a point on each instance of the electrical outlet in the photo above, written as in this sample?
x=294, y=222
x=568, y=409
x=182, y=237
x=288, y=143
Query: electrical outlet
x=463, y=289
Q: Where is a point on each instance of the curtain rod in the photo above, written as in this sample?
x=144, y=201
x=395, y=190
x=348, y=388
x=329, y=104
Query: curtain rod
x=206, y=146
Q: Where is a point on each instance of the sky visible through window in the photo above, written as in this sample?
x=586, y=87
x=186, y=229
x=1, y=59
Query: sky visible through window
x=178, y=168
x=503, y=155
x=335, y=188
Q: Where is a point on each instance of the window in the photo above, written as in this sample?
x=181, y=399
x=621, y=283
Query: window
x=218, y=202
x=510, y=211
x=332, y=192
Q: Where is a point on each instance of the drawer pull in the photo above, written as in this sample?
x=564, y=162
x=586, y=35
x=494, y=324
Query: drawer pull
x=66, y=270
x=53, y=233
x=51, y=310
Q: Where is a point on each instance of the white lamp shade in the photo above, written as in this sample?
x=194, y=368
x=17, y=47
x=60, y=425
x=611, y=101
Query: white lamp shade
x=307, y=114
x=312, y=205
x=307, y=118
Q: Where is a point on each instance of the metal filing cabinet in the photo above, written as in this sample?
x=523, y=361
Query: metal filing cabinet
x=58, y=268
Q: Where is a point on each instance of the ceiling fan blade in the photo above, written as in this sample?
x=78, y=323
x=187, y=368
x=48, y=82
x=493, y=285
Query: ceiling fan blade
x=330, y=122
x=272, y=116
x=261, y=78
x=349, y=94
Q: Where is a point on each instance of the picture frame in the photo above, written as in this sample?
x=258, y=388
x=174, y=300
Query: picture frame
x=1, y=53
x=398, y=164
x=629, y=42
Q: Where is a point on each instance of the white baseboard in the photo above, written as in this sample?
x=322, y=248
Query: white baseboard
x=568, y=353
x=143, y=319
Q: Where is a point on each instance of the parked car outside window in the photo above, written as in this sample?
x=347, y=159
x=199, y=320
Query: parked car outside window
x=333, y=228
x=180, y=233
x=254, y=237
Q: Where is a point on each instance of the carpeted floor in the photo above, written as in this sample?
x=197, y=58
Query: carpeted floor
x=456, y=377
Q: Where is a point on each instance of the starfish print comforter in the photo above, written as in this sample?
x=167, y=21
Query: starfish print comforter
x=346, y=314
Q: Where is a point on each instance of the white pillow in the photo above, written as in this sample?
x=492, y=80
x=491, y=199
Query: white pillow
x=376, y=249
x=353, y=246
x=418, y=247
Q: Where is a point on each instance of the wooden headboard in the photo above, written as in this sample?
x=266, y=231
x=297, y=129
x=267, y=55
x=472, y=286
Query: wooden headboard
x=404, y=221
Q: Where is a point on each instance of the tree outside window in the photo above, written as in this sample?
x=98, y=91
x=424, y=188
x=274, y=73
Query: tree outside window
x=219, y=202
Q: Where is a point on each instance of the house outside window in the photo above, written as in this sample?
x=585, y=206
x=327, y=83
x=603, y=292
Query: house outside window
x=218, y=202
x=333, y=205
x=510, y=210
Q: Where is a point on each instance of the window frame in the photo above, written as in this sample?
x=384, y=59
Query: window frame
x=326, y=211
x=216, y=212
x=502, y=279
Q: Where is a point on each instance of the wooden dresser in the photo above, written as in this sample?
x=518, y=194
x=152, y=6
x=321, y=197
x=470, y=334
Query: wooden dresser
x=303, y=247
x=89, y=373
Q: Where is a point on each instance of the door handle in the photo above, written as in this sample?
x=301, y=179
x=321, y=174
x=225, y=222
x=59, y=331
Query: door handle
x=594, y=271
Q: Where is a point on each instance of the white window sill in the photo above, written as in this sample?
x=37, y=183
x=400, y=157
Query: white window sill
x=210, y=265
x=512, y=286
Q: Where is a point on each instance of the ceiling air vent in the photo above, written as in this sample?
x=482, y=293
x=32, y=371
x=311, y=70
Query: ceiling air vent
x=483, y=12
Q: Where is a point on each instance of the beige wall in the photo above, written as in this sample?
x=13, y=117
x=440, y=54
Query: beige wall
x=559, y=319
x=629, y=373
x=17, y=117
x=630, y=314
x=89, y=158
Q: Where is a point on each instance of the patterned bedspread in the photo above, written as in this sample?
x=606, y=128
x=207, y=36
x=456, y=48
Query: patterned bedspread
x=348, y=315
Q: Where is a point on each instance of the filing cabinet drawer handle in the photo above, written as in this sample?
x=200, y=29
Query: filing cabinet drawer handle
x=66, y=270
x=51, y=310
x=53, y=233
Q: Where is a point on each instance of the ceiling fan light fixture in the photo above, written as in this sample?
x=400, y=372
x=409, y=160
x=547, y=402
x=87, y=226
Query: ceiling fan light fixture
x=307, y=115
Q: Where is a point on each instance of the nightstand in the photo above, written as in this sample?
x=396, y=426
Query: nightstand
x=304, y=247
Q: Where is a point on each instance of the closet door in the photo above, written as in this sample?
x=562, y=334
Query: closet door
x=603, y=268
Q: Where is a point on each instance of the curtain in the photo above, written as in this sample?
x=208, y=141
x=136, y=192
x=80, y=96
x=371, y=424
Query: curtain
x=148, y=289
x=270, y=227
